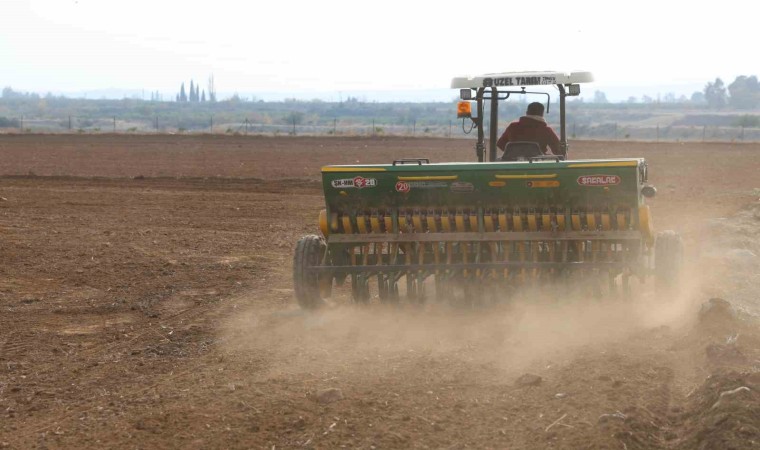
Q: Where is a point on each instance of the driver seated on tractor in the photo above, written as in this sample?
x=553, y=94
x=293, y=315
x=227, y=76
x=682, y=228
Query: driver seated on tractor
x=532, y=127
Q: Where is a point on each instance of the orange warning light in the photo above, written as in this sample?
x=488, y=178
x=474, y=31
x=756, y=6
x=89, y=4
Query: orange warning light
x=464, y=109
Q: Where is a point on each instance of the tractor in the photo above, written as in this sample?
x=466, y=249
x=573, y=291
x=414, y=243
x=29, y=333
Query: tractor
x=413, y=229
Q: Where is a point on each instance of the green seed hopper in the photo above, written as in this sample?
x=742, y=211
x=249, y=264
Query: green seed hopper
x=470, y=225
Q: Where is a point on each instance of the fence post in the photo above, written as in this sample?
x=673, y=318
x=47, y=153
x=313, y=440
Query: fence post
x=658, y=132
x=450, y=122
x=373, y=127
x=211, y=125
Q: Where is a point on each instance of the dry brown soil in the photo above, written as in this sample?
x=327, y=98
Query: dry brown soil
x=146, y=302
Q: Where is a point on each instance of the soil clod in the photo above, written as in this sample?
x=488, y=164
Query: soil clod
x=528, y=379
x=329, y=395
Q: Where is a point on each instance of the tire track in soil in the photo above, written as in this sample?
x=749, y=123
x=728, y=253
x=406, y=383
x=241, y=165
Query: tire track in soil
x=647, y=425
x=16, y=343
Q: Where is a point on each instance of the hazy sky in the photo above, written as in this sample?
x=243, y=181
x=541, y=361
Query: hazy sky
x=329, y=45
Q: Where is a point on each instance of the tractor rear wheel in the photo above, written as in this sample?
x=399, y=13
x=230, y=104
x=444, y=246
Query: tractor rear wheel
x=668, y=259
x=309, y=252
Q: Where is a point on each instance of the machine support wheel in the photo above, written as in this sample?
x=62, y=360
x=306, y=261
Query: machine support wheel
x=668, y=258
x=309, y=252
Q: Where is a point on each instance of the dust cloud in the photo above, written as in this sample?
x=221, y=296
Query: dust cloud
x=535, y=327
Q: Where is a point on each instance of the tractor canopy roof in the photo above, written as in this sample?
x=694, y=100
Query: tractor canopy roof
x=520, y=79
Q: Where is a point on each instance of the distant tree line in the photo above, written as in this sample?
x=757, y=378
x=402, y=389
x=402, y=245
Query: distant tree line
x=743, y=93
x=25, y=109
x=9, y=94
x=9, y=123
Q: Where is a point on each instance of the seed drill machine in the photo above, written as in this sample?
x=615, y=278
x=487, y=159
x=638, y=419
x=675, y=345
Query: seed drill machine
x=491, y=227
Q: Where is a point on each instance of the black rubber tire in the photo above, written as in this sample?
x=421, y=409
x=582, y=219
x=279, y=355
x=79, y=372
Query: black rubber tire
x=309, y=252
x=668, y=259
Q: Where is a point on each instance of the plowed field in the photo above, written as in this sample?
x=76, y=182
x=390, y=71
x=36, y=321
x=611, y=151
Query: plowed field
x=146, y=302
